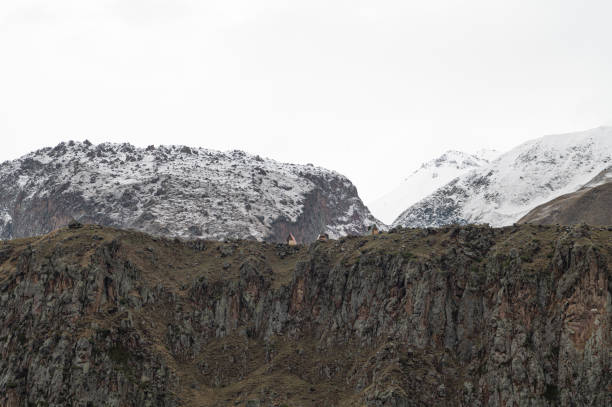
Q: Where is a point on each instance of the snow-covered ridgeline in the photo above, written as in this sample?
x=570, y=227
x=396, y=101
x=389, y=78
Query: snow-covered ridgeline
x=503, y=191
x=174, y=190
x=425, y=180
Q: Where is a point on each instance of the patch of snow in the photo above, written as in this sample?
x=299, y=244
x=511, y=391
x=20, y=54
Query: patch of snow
x=22, y=181
x=6, y=218
x=488, y=154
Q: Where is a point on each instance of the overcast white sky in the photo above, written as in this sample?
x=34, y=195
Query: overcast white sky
x=368, y=88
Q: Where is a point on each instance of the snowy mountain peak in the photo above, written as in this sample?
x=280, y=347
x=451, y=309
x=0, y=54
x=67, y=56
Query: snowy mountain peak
x=425, y=180
x=175, y=191
x=455, y=159
x=504, y=190
x=488, y=154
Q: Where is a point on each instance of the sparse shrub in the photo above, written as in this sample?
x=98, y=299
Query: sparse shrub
x=551, y=393
x=119, y=354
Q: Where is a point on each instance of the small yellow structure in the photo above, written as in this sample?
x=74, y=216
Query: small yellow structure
x=373, y=230
x=291, y=240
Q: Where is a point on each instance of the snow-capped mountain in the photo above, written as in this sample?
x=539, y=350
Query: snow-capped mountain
x=503, y=191
x=429, y=177
x=175, y=191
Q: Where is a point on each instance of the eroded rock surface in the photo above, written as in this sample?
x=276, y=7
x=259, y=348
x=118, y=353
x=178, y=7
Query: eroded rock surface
x=469, y=316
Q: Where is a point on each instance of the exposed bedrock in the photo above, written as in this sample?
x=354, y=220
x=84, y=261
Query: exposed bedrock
x=455, y=316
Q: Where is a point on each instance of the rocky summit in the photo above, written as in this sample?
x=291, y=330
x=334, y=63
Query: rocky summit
x=176, y=191
x=455, y=316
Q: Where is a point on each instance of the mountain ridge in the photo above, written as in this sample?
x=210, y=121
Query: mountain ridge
x=504, y=190
x=423, y=181
x=177, y=191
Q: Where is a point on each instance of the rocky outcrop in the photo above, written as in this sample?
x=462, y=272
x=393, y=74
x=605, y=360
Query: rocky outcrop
x=468, y=316
x=176, y=191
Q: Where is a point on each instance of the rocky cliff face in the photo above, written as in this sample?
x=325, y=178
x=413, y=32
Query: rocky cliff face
x=176, y=191
x=468, y=316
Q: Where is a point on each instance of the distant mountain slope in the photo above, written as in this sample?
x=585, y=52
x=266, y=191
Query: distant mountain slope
x=503, y=191
x=429, y=177
x=175, y=191
x=591, y=204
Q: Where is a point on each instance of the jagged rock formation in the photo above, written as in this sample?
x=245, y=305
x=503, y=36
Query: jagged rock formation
x=505, y=190
x=469, y=316
x=591, y=204
x=175, y=191
x=426, y=180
